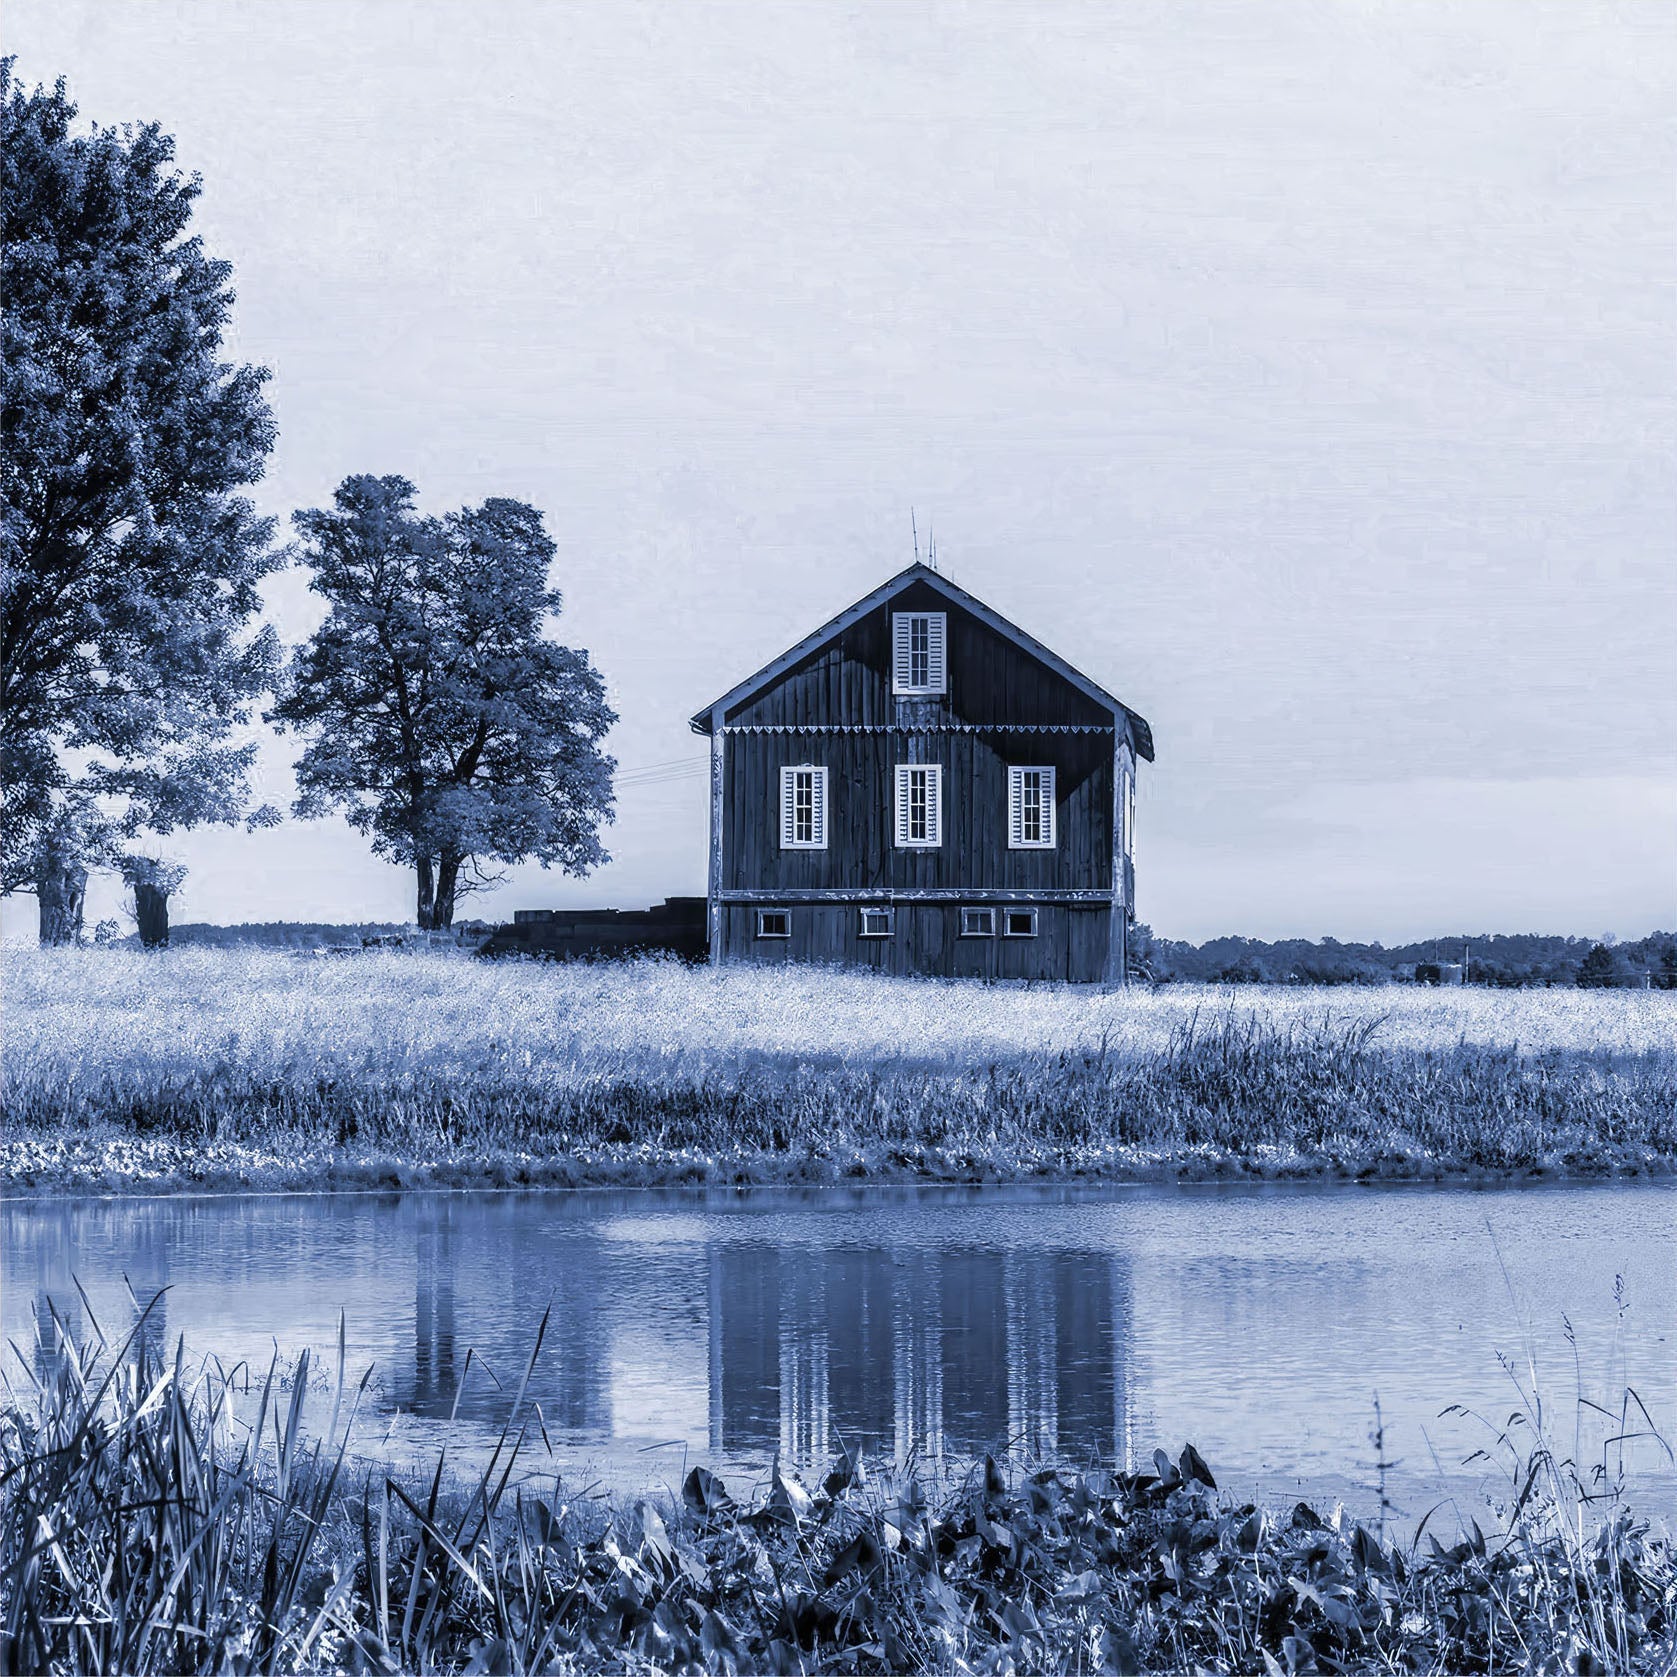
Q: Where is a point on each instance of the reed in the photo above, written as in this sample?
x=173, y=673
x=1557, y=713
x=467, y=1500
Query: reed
x=253, y=1068
x=159, y=1519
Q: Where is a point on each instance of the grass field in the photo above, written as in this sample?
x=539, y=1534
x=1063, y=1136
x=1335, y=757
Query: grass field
x=222, y=1068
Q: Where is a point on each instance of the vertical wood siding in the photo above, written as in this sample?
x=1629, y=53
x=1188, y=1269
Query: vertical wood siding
x=862, y=853
x=1071, y=942
x=991, y=679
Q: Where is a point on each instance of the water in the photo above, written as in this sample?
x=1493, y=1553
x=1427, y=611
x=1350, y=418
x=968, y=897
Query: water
x=719, y=1327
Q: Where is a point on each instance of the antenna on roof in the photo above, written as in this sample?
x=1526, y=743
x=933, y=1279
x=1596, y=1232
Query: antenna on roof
x=931, y=546
x=914, y=530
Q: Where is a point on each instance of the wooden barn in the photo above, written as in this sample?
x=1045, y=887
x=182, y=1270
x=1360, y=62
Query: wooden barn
x=920, y=786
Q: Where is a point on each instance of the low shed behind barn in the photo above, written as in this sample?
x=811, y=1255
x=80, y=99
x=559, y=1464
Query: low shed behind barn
x=675, y=927
x=920, y=786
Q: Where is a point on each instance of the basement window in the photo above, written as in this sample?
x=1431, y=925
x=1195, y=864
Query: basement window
x=878, y=922
x=1019, y=922
x=978, y=922
x=774, y=922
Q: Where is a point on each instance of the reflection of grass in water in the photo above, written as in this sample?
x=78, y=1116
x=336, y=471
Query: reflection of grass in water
x=157, y=1519
x=228, y=1066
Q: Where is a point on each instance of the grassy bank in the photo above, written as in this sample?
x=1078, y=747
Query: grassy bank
x=228, y=1069
x=152, y=1520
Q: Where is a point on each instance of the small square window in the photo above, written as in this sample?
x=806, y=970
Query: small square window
x=978, y=922
x=878, y=922
x=774, y=922
x=1019, y=922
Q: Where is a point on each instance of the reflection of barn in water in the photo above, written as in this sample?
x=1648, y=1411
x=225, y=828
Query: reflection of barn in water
x=558, y=1275
x=955, y=1352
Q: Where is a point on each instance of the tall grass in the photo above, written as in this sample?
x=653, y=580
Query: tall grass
x=252, y=1066
x=156, y=1519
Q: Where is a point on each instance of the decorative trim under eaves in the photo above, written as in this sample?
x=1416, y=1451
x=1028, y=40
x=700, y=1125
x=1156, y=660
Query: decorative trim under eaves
x=917, y=728
x=919, y=894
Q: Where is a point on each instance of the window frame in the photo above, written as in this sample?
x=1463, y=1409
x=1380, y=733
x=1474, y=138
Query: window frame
x=789, y=774
x=977, y=909
x=902, y=806
x=1047, y=812
x=887, y=910
x=764, y=915
x=1008, y=913
x=936, y=684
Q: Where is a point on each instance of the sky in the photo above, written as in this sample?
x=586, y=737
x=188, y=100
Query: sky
x=1304, y=373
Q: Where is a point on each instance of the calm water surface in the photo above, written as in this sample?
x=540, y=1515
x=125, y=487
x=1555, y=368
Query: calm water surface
x=1262, y=1324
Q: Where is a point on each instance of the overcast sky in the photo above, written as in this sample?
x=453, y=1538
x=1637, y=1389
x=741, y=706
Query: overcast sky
x=1304, y=373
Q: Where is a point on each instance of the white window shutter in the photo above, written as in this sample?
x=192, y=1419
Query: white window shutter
x=788, y=808
x=937, y=661
x=902, y=803
x=1015, y=808
x=1050, y=837
x=934, y=803
x=899, y=651
x=819, y=809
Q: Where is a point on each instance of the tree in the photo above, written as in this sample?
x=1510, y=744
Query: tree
x=153, y=882
x=1595, y=972
x=73, y=841
x=439, y=717
x=129, y=561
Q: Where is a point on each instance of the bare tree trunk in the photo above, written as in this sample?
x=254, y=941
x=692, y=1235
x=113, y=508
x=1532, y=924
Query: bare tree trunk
x=151, y=910
x=427, y=893
x=61, y=891
x=448, y=877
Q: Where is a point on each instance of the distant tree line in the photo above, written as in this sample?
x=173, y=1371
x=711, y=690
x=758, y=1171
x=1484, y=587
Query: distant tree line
x=1501, y=961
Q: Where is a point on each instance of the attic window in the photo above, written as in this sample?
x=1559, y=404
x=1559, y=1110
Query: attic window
x=919, y=666
x=1030, y=808
x=803, y=807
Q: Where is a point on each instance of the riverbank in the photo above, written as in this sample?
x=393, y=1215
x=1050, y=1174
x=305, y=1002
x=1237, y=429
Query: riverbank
x=237, y=1070
x=153, y=1520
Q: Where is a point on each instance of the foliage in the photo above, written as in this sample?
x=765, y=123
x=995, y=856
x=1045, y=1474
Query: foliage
x=440, y=718
x=282, y=934
x=1500, y=961
x=152, y=872
x=129, y=559
x=153, y=1519
x=1595, y=971
x=253, y=1067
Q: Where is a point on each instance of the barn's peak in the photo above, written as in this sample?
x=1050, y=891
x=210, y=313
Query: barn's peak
x=921, y=573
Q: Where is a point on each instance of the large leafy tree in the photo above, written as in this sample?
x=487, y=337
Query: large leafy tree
x=129, y=558
x=440, y=718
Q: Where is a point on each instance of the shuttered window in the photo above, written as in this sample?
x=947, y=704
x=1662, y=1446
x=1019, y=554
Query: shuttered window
x=919, y=805
x=1030, y=808
x=919, y=663
x=803, y=807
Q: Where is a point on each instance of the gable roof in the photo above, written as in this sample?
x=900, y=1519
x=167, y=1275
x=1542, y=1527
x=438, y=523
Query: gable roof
x=700, y=723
